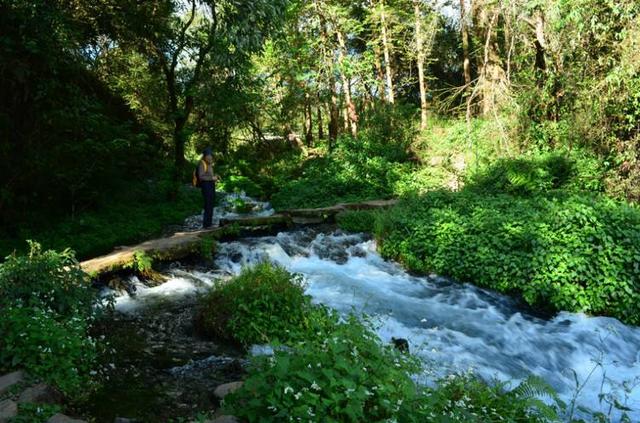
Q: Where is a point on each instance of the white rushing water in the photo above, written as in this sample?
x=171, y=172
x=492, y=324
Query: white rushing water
x=452, y=327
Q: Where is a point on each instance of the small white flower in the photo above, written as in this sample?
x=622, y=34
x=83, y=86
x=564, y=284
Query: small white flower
x=315, y=386
x=288, y=390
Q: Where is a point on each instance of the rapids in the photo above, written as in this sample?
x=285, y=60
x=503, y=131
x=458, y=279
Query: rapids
x=452, y=327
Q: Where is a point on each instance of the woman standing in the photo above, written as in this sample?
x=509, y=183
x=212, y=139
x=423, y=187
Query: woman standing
x=207, y=181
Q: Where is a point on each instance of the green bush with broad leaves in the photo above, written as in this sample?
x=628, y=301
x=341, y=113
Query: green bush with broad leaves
x=559, y=251
x=265, y=303
x=47, y=305
x=347, y=377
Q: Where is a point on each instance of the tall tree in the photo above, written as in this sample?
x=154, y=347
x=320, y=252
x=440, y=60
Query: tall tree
x=386, y=48
x=420, y=63
x=464, y=30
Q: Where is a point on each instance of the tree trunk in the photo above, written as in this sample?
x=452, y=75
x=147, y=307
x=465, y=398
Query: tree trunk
x=351, y=116
x=387, y=55
x=380, y=84
x=308, y=122
x=465, y=44
x=541, y=45
x=420, y=60
x=493, y=81
x=334, y=114
x=179, y=141
x=320, y=124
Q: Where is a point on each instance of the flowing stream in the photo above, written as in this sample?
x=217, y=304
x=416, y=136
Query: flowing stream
x=453, y=327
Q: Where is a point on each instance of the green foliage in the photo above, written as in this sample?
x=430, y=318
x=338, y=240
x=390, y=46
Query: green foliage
x=466, y=398
x=35, y=413
x=530, y=176
x=265, y=303
x=357, y=220
x=560, y=251
x=142, y=263
x=358, y=169
x=208, y=248
x=135, y=218
x=57, y=350
x=348, y=376
x=47, y=280
x=71, y=143
x=46, y=307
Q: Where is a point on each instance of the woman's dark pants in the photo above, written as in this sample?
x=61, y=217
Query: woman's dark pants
x=208, y=194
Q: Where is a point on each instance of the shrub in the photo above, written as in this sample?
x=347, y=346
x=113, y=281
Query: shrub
x=265, y=303
x=350, y=376
x=560, y=252
x=347, y=377
x=46, y=307
x=47, y=280
x=356, y=220
x=58, y=351
x=358, y=169
x=466, y=398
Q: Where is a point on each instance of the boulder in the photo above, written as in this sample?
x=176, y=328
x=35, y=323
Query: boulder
x=40, y=394
x=9, y=380
x=223, y=390
x=61, y=418
x=8, y=410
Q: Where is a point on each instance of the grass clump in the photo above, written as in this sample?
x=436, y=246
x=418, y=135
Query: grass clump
x=264, y=304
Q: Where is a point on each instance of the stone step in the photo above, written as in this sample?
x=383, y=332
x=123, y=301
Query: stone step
x=8, y=410
x=61, y=418
x=9, y=380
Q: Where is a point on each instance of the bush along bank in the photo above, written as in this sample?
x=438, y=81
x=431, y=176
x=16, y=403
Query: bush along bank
x=532, y=228
x=332, y=369
x=558, y=251
x=47, y=309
